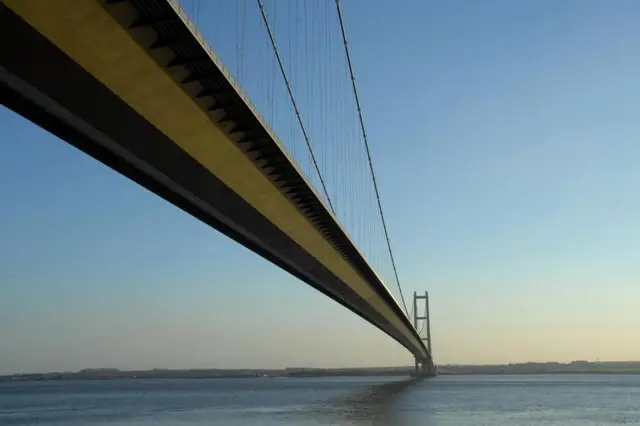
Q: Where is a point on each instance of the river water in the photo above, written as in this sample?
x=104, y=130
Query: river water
x=444, y=401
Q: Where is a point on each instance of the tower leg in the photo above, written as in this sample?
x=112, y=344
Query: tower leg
x=423, y=367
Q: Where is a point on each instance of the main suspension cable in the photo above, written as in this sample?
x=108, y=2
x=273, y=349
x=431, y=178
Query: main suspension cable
x=293, y=102
x=366, y=144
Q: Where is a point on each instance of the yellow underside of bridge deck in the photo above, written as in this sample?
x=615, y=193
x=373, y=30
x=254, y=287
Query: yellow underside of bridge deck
x=86, y=32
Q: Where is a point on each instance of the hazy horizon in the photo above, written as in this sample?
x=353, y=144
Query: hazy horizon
x=505, y=140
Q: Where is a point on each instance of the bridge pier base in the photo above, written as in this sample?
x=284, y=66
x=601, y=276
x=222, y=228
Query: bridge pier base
x=424, y=368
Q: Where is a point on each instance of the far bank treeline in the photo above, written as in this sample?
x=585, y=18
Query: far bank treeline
x=575, y=367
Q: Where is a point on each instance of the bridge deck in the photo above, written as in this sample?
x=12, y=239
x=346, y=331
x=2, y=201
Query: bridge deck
x=133, y=84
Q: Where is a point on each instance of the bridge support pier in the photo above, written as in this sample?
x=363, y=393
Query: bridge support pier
x=423, y=367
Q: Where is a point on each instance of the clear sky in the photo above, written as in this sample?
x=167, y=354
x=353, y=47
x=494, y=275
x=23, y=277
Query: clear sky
x=505, y=136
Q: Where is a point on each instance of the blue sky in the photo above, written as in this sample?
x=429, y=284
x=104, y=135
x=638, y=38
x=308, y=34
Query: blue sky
x=505, y=138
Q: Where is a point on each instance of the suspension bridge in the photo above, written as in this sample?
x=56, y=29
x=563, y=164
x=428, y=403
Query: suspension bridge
x=244, y=114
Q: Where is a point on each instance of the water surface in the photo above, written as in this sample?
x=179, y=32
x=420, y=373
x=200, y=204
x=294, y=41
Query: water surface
x=445, y=401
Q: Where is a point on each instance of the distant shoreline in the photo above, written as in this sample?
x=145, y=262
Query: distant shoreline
x=573, y=368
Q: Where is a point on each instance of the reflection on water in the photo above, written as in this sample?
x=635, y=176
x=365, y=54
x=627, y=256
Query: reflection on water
x=377, y=405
